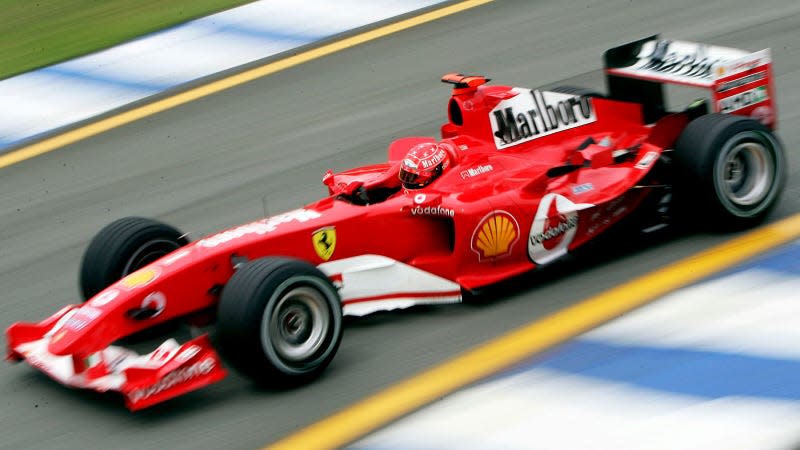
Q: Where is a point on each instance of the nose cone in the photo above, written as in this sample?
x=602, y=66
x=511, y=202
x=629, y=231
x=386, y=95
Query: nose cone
x=76, y=331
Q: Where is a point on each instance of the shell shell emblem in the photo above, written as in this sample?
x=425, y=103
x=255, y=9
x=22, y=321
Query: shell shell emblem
x=495, y=235
x=139, y=278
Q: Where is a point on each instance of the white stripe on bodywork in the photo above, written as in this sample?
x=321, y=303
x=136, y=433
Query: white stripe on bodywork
x=369, y=276
x=364, y=308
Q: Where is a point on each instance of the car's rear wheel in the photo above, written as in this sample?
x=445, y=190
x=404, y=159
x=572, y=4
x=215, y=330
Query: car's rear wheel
x=123, y=247
x=730, y=170
x=279, y=321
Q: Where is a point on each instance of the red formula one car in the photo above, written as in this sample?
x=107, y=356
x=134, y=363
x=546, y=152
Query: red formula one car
x=519, y=178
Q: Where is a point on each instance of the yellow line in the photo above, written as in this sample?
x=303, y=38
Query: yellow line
x=356, y=421
x=72, y=136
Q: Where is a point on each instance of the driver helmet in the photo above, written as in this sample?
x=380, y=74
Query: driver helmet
x=423, y=164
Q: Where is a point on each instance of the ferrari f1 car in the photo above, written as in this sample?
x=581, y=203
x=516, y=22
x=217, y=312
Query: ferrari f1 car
x=522, y=177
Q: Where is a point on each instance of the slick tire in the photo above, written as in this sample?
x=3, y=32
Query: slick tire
x=730, y=171
x=279, y=322
x=122, y=247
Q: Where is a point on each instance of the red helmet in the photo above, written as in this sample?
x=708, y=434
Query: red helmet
x=423, y=164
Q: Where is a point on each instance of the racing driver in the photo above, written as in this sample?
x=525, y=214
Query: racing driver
x=424, y=163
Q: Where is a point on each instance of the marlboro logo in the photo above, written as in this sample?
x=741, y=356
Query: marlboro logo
x=532, y=114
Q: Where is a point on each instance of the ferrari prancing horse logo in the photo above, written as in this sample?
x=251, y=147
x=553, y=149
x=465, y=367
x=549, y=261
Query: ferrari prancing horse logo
x=324, y=241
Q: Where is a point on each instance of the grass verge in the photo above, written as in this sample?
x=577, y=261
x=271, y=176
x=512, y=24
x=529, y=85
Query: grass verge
x=37, y=33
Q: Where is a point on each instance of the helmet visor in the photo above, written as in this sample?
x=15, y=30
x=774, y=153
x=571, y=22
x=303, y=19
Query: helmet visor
x=408, y=177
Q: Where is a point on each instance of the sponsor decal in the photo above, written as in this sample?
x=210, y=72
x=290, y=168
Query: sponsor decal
x=601, y=217
x=156, y=301
x=742, y=99
x=475, y=171
x=170, y=259
x=324, y=242
x=553, y=228
x=689, y=62
x=433, y=160
x=647, y=160
x=420, y=198
x=82, y=318
x=90, y=312
x=581, y=188
x=745, y=64
x=495, y=235
x=682, y=61
x=432, y=211
x=173, y=379
x=162, y=354
x=686, y=59
x=532, y=114
x=112, y=365
x=104, y=298
x=187, y=354
x=596, y=225
x=261, y=227
x=733, y=84
x=141, y=277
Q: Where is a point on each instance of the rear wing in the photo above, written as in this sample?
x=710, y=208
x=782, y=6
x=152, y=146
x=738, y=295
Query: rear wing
x=740, y=82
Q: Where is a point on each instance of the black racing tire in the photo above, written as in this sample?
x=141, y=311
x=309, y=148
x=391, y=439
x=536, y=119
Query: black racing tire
x=122, y=247
x=579, y=91
x=730, y=171
x=279, y=322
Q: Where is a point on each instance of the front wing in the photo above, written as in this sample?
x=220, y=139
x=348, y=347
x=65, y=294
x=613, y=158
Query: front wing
x=170, y=370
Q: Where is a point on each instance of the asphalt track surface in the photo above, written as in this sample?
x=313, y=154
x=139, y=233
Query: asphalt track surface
x=210, y=163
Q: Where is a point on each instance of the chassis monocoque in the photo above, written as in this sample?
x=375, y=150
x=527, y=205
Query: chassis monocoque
x=536, y=174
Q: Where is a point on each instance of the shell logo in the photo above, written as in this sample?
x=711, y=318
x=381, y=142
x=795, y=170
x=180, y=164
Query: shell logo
x=495, y=235
x=139, y=278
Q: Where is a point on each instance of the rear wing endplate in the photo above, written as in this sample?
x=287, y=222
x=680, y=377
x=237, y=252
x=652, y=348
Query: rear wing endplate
x=740, y=82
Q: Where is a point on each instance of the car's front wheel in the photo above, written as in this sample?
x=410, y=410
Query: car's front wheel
x=121, y=248
x=279, y=321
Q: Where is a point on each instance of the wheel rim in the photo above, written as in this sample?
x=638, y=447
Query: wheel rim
x=746, y=172
x=299, y=324
x=149, y=252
